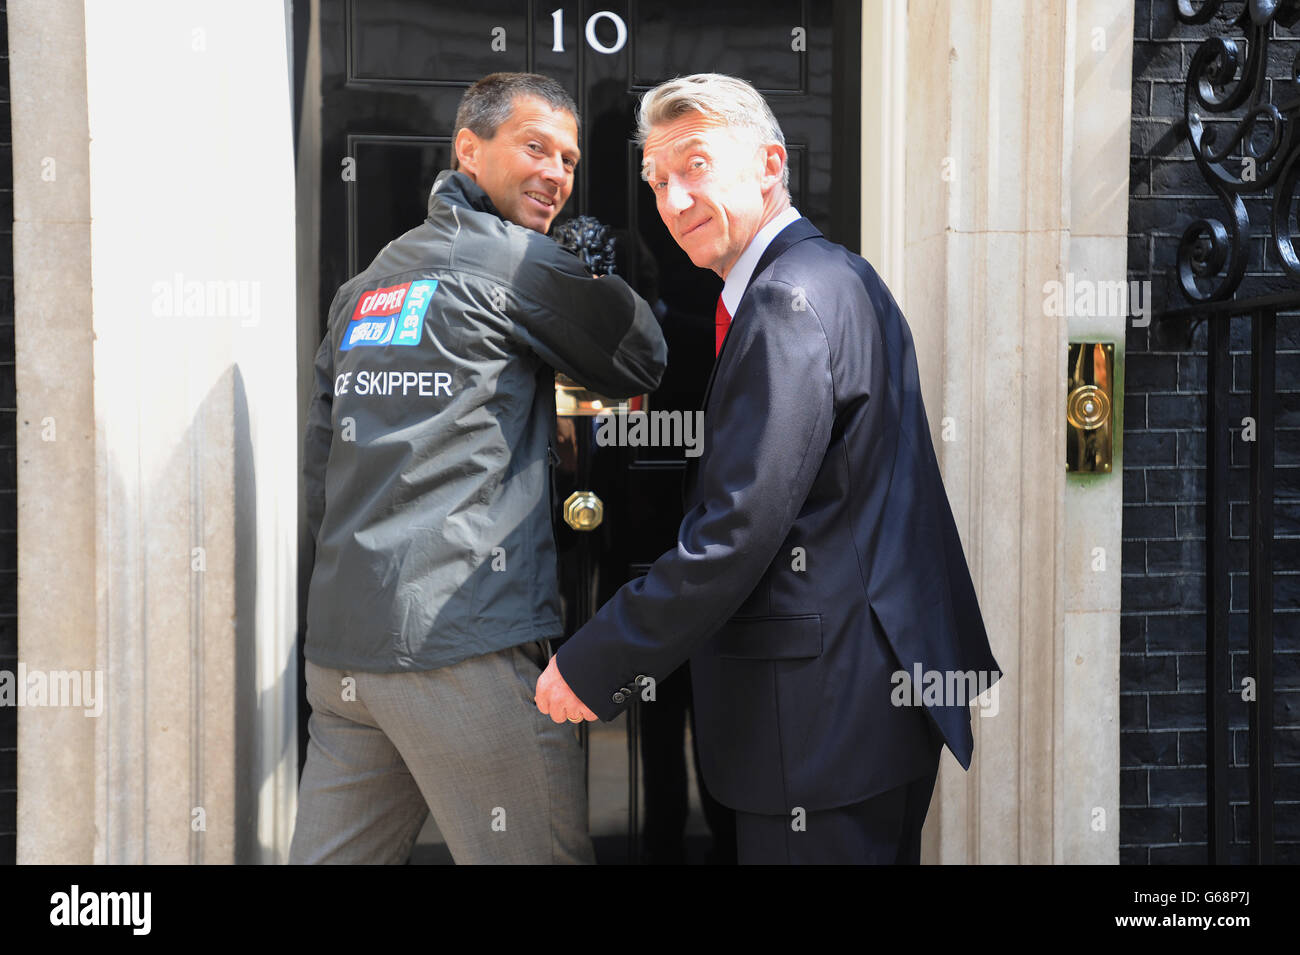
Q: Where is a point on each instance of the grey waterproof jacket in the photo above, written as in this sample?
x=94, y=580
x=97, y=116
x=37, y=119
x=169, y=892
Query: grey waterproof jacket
x=427, y=454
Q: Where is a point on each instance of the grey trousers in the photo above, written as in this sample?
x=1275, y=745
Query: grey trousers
x=465, y=742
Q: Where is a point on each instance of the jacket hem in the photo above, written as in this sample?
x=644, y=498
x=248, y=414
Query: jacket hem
x=434, y=661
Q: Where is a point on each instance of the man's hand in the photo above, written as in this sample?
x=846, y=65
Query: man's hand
x=556, y=700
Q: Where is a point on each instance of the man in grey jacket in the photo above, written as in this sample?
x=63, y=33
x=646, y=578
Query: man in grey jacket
x=427, y=461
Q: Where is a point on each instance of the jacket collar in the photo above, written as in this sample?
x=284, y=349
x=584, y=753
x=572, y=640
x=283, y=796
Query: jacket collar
x=459, y=189
x=796, y=231
x=737, y=281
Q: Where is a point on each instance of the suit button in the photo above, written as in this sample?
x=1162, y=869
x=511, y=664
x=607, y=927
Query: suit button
x=641, y=679
x=619, y=697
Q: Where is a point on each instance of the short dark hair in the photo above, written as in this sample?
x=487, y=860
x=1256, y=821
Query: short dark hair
x=488, y=103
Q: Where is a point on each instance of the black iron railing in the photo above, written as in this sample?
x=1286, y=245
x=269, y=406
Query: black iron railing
x=1246, y=145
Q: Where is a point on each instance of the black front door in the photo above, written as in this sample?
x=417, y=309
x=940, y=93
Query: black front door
x=392, y=74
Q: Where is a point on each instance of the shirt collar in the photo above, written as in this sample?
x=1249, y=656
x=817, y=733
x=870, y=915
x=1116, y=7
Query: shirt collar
x=738, y=277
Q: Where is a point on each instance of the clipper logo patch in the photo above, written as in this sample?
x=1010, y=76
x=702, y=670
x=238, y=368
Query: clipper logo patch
x=390, y=316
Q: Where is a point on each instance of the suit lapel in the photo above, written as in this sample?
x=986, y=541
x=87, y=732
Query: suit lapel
x=796, y=231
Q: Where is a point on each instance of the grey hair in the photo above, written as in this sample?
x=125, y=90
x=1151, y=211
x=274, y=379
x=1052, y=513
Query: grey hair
x=489, y=102
x=727, y=99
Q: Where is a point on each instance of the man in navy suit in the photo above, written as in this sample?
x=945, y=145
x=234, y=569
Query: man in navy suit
x=818, y=575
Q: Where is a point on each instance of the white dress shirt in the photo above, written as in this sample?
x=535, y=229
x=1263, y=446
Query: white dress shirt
x=738, y=277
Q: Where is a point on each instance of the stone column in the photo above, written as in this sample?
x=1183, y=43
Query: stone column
x=1017, y=131
x=157, y=540
x=1087, y=757
x=58, y=609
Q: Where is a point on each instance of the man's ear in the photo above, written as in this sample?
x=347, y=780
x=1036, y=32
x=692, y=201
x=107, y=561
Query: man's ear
x=467, y=151
x=774, y=160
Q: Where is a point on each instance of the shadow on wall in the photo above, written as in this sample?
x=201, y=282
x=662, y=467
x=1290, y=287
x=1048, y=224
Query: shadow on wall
x=205, y=626
x=253, y=710
x=250, y=709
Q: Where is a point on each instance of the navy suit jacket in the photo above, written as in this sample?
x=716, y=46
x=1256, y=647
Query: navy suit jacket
x=817, y=558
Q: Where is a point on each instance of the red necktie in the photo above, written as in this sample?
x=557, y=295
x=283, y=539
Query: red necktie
x=720, y=324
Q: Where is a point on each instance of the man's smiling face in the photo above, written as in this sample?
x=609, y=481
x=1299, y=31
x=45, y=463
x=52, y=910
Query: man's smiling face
x=709, y=186
x=527, y=167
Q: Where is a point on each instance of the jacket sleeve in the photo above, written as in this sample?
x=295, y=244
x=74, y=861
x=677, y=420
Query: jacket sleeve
x=318, y=435
x=597, y=331
x=770, y=428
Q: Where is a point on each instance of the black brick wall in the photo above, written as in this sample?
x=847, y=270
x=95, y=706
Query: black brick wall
x=8, y=468
x=1162, y=668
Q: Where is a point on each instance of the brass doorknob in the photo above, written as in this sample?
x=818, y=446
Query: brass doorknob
x=583, y=511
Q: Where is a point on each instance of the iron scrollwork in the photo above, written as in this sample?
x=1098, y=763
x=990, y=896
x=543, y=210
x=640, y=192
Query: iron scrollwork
x=1212, y=256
